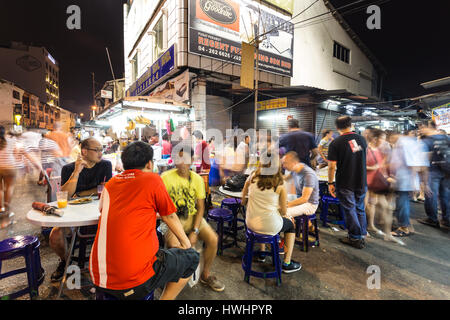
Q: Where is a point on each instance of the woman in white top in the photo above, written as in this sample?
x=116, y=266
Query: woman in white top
x=10, y=153
x=267, y=207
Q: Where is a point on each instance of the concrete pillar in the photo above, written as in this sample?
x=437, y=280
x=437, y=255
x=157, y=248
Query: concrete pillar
x=199, y=104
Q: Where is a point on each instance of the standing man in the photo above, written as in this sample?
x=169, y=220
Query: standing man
x=303, y=143
x=438, y=148
x=80, y=179
x=348, y=154
x=201, y=150
x=187, y=191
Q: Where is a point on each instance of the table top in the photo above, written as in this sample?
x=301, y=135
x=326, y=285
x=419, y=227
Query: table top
x=230, y=193
x=74, y=216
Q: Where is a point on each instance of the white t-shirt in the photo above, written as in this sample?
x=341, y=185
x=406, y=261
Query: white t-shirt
x=263, y=215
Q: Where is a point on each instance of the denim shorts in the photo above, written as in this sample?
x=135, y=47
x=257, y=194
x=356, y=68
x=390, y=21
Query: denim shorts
x=170, y=266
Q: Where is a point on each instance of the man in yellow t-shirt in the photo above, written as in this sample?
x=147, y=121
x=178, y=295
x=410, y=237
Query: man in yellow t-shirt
x=187, y=191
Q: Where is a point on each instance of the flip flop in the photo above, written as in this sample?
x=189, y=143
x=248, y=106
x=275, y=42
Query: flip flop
x=399, y=233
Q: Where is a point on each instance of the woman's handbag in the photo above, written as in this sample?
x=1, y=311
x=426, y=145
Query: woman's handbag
x=379, y=182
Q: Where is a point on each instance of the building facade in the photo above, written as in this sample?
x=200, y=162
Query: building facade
x=186, y=51
x=33, y=69
x=190, y=50
x=23, y=109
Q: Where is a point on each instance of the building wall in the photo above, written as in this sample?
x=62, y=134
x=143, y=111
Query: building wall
x=314, y=63
x=7, y=103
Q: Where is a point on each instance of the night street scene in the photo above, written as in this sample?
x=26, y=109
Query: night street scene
x=243, y=153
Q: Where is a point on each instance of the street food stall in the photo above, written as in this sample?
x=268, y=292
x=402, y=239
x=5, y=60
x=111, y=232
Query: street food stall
x=139, y=118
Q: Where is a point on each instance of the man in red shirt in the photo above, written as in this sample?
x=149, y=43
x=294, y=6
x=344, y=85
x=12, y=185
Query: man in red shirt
x=201, y=150
x=126, y=261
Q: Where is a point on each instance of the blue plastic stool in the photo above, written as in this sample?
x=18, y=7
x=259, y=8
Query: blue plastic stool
x=302, y=225
x=221, y=216
x=100, y=295
x=326, y=200
x=234, y=205
x=27, y=247
x=252, y=238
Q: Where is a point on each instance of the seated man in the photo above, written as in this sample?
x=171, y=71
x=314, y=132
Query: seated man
x=125, y=260
x=79, y=179
x=187, y=190
x=306, y=185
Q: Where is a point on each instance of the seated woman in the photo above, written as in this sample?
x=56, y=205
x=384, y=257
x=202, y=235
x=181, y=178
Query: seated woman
x=267, y=207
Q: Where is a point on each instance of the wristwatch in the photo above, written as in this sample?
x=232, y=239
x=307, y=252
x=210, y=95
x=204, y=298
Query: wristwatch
x=330, y=183
x=196, y=231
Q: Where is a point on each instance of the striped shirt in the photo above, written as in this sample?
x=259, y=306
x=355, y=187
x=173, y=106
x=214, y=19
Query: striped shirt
x=49, y=150
x=11, y=156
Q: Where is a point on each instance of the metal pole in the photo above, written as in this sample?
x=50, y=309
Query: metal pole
x=109, y=58
x=255, y=124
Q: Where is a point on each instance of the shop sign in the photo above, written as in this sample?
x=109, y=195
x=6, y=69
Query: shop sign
x=159, y=69
x=175, y=89
x=272, y=104
x=106, y=94
x=441, y=115
x=217, y=29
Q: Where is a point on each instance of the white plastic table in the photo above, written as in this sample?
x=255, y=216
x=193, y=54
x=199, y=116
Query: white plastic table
x=230, y=193
x=75, y=216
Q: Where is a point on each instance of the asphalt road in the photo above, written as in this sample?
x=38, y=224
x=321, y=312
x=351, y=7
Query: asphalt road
x=420, y=270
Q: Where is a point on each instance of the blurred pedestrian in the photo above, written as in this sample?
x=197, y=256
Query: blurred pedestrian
x=10, y=152
x=303, y=143
x=201, y=153
x=407, y=164
x=347, y=153
x=438, y=147
x=50, y=152
x=380, y=184
x=327, y=137
x=166, y=146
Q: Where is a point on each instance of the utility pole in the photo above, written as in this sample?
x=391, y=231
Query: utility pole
x=256, y=84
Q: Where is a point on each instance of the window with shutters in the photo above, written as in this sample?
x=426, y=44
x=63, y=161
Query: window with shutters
x=340, y=52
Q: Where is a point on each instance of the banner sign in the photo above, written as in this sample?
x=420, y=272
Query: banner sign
x=106, y=94
x=159, y=69
x=218, y=27
x=272, y=104
x=175, y=89
x=441, y=116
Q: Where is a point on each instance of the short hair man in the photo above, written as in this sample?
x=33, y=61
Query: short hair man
x=187, y=190
x=348, y=153
x=303, y=143
x=201, y=150
x=306, y=186
x=154, y=139
x=126, y=261
x=79, y=178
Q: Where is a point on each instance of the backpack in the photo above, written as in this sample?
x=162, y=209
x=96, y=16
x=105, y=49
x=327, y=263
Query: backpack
x=441, y=152
x=236, y=183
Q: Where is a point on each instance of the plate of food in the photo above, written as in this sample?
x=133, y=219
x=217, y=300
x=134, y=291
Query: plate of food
x=80, y=201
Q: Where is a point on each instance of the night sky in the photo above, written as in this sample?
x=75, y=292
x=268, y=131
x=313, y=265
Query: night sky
x=412, y=44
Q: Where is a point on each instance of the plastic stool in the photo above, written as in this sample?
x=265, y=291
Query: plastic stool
x=27, y=247
x=326, y=200
x=252, y=238
x=234, y=205
x=221, y=216
x=302, y=225
x=100, y=295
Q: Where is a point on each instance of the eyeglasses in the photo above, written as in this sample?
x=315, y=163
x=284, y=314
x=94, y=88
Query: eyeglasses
x=96, y=150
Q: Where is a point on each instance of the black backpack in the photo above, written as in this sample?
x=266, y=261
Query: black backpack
x=236, y=183
x=441, y=153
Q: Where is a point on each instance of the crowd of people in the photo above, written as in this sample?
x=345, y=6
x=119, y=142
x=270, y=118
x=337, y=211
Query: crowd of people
x=375, y=175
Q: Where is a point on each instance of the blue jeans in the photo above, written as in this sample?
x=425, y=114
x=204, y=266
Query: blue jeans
x=352, y=203
x=402, y=208
x=439, y=185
